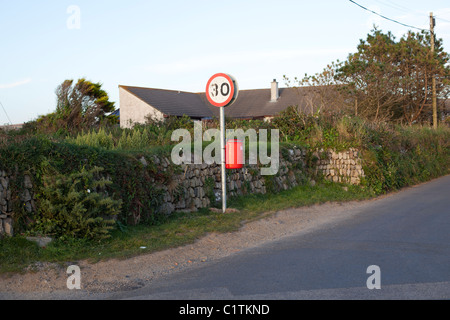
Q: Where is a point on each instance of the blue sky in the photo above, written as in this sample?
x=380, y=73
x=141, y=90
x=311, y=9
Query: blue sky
x=179, y=44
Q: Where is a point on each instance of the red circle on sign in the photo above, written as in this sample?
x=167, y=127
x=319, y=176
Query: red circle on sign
x=231, y=95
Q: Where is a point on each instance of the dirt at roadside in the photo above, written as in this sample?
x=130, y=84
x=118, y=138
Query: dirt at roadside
x=118, y=275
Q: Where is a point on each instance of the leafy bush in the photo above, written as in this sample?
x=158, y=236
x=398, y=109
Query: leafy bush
x=75, y=206
x=405, y=156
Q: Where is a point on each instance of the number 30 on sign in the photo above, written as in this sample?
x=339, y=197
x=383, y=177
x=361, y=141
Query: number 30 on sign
x=222, y=90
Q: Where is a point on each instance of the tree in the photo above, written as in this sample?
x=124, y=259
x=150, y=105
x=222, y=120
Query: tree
x=391, y=80
x=418, y=65
x=321, y=92
x=371, y=77
x=79, y=106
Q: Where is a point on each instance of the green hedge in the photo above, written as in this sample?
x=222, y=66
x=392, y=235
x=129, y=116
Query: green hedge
x=42, y=158
x=406, y=156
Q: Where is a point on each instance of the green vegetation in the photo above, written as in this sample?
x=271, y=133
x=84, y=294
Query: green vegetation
x=75, y=206
x=406, y=156
x=42, y=157
x=80, y=105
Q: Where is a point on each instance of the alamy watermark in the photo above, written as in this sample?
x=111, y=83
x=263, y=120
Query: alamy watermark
x=374, y=281
x=258, y=148
x=74, y=280
x=73, y=22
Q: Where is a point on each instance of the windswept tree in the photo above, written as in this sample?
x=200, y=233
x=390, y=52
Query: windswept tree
x=79, y=106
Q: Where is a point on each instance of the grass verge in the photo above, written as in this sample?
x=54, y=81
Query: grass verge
x=181, y=228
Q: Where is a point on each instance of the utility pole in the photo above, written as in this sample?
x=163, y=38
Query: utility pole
x=435, y=118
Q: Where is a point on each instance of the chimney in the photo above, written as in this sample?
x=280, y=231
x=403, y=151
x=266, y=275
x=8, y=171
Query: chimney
x=274, y=94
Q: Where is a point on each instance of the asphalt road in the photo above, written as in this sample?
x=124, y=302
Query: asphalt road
x=406, y=235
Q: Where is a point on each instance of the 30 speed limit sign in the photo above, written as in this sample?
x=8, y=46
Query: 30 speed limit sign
x=222, y=90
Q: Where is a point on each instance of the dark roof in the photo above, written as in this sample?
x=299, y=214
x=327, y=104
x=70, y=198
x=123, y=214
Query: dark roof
x=173, y=103
x=253, y=103
x=256, y=103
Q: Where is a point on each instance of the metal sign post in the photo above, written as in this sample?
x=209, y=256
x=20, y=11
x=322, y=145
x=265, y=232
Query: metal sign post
x=222, y=157
x=222, y=91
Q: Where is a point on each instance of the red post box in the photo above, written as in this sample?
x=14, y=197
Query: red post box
x=234, y=154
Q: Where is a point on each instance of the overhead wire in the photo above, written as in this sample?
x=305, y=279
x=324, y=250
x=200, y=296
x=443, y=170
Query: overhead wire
x=407, y=10
x=393, y=5
x=442, y=19
x=6, y=113
x=384, y=17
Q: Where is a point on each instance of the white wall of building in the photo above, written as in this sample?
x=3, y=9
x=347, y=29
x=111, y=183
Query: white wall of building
x=133, y=110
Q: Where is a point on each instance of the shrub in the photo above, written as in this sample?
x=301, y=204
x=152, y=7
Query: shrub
x=94, y=139
x=75, y=206
x=395, y=158
x=134, y=140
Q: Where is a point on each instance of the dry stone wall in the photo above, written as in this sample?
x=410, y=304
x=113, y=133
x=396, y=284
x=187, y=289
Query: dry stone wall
x=5, y=205
x=26, y=197
x=199, y=186
x=345, y=166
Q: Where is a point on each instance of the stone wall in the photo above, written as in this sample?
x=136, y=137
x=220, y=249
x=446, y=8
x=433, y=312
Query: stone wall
x=198, y=186
x=5, y=205
x=26, y=196
x=345, y=166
